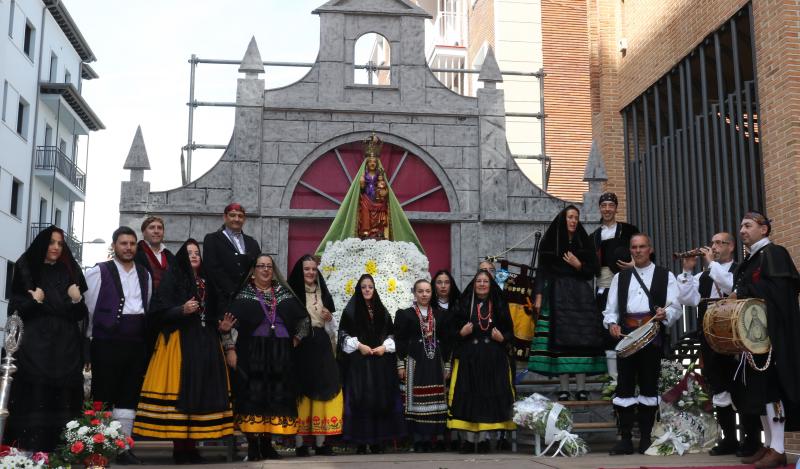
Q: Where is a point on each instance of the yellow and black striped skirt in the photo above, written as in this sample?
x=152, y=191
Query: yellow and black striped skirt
x=157, y=416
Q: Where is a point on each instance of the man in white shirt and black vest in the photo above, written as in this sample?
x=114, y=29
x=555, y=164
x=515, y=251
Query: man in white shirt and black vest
x=118, y=297
x=715, y=282
x=645, y=293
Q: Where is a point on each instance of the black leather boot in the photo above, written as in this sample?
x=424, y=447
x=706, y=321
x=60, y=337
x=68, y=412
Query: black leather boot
x=625, y=417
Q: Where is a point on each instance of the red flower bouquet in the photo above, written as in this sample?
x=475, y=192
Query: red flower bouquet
x=94, y=439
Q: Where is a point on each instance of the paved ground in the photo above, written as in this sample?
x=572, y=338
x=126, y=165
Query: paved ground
x=161, y=457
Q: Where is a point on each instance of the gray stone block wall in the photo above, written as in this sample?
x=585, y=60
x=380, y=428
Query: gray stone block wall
x=279, y=133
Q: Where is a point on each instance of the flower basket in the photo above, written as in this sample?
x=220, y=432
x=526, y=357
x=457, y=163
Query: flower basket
x=93, y=440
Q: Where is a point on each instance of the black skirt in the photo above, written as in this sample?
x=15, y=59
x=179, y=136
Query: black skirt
x=483, y=392
x=373, y=411
x=317, y=370
x=264, y=378
x=204, y=375
x=39, y=412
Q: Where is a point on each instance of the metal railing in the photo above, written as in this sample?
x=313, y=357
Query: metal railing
x=370, y=68
x=53, y=159
x=74, y=243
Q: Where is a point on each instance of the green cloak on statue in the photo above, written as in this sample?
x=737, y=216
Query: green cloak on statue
x=345, y=225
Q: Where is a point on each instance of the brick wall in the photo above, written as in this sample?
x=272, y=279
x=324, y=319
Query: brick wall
x=481, y=28
x=777, y=37
x=659, y=34
x=567, y=95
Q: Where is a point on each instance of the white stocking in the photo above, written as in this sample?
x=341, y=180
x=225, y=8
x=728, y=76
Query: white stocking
x=298, y=441
x=776, y=428
x=767, y=431
x=125, y=418
x=320, y=440
x=564, y=379
x=581, y=379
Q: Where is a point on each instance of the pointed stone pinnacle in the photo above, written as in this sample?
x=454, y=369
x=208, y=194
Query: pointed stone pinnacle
x=137, y=156
x=490, y=71
x=595, y=168
x=251, y=62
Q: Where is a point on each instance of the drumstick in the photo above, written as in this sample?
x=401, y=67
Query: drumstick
x=651, y=317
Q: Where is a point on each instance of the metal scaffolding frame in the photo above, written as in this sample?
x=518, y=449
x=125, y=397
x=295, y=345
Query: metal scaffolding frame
x=370, y=67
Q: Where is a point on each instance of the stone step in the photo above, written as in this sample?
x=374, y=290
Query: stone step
x=577, y=427
x=592, y=403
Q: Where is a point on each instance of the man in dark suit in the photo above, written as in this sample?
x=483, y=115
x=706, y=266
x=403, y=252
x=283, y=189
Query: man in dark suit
x=228, y=254
x=151, y=253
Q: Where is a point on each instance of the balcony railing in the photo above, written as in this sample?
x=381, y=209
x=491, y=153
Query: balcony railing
x=51, y=158
x=449, y=27
x=74, y=243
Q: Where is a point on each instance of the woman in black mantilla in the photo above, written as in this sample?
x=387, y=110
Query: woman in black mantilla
x=569, y=336
x=320, y=407
x=481, y=392
x=419, y=332
x=373, y=412
x=271, y=322
x=446, y=298
x=47, y=292
x=185, y=396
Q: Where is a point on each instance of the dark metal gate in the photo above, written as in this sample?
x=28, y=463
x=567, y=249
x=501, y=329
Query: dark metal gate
x=692, y=152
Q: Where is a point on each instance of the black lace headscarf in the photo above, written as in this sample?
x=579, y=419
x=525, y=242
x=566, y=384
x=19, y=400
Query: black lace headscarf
x=356, y=320
x=297, y=283
x=28, y=269
x=502, y=318
x=184, y=266
x=555, y=241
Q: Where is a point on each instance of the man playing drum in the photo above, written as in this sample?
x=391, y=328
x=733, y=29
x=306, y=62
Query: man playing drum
x=715, y=282
x=635, y=298
x=768, y=384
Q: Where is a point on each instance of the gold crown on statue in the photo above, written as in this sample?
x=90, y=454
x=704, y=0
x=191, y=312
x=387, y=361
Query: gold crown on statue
x=372, y=146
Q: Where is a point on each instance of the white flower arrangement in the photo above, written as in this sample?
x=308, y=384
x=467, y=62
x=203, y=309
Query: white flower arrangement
x=552, y=421
x=395, y=265
x=16, y=459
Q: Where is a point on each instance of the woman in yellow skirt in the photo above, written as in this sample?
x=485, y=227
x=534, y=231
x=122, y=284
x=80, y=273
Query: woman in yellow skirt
x=481, y=392
x=271, y=322
x=186, y=394
x=319, y=412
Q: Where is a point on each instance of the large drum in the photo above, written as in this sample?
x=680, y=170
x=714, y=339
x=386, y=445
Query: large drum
x=734, y=326
x=638, y=339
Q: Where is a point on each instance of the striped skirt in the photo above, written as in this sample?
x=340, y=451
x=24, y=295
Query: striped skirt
x=424, y=396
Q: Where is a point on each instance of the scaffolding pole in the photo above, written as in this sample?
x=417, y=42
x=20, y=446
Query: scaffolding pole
x=370, y=68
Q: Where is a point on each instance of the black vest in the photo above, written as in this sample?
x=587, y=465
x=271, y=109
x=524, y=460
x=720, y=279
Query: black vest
x=658, y=289
x=706, y=284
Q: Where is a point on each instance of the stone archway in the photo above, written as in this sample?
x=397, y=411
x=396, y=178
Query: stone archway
x=323, y=184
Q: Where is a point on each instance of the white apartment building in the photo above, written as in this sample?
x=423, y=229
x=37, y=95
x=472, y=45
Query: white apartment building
x=44, y=60
x=458, y=36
